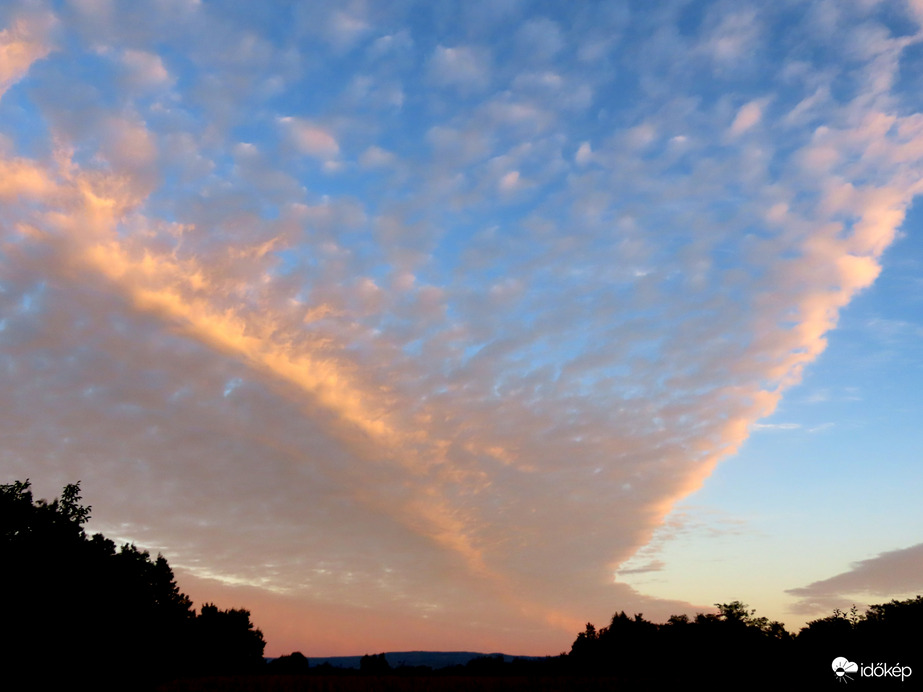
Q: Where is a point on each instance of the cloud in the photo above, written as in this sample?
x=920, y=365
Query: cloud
x=465, y=68
x=916, y=9
x=310, y=139
x=777, y=426
x=26, y=40
x=748, y=116
x=887, y=575
x=398, y=41
x=145, y=70
x=510, y=181
x=733, y=37
x=584, y=154
x=539, y=39
x=376, y=157
x=652, y=566
x=345, y=28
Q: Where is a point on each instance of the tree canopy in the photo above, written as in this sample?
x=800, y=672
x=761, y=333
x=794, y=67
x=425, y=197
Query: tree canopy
x=735, y=644
x=114, y=617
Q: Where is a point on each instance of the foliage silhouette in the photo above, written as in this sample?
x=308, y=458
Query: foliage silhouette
x=112, y=617
x=227, y=642
x=734, y=644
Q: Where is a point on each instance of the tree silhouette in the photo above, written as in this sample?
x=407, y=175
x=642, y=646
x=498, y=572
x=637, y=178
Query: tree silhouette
x=114, y=618
x=227, y=642
x=720, y=647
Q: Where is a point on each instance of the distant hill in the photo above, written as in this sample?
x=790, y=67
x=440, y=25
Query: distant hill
x=433, y=659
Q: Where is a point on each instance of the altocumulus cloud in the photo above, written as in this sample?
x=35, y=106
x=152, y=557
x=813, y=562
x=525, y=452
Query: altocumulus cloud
x=381, y=389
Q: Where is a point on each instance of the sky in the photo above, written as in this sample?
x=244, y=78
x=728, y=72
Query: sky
x=454, y=326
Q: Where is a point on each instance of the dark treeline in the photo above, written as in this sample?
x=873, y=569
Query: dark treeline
x=735, y=645
x=75, y=608
x=730, y=649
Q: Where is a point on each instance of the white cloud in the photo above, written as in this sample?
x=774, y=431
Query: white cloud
x=748, y=116
x=539, y=40
x=734, y=36
x=777, y=426
x=345, y=28
x=466, y=68
x=376, y=157
x=145, y=69
x=584, y=154
x=311, y=139
x=399, y=41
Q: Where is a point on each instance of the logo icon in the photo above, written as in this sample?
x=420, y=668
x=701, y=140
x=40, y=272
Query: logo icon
x=842, y=666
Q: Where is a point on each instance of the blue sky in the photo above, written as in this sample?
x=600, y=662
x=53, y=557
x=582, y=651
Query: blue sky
x=460, y=324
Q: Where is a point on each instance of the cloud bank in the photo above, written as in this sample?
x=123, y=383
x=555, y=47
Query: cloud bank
x=416, y=324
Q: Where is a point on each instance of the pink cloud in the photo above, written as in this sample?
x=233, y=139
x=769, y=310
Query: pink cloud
x=887, y=575
x=26, y=40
